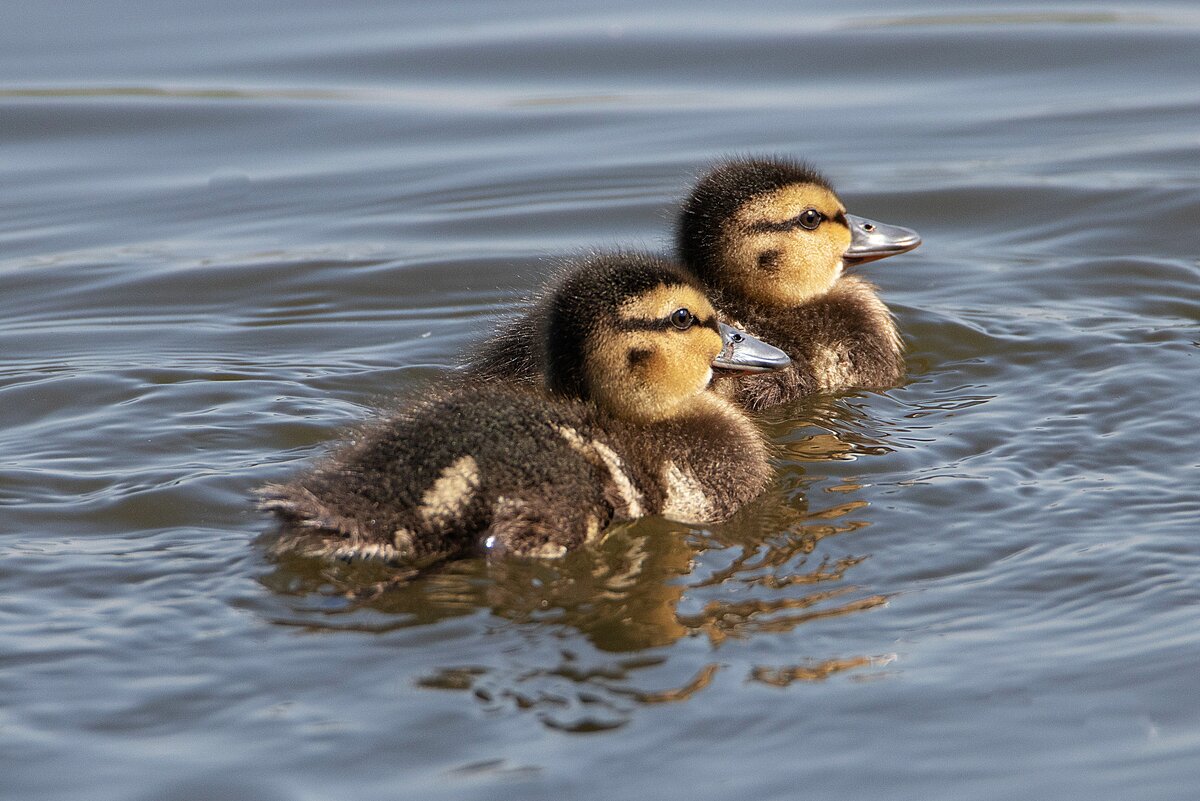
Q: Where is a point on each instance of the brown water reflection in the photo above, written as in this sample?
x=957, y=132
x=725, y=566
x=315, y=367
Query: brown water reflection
x=643, y=589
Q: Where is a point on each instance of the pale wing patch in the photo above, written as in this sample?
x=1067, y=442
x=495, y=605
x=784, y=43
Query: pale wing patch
x=616, y=468
x=573, y=438
x=593, y=529
x=686, y=500
x=599, y=453
x=446, y=500
x=402, y=539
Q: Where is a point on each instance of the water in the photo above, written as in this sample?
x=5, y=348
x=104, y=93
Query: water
x=228, y=232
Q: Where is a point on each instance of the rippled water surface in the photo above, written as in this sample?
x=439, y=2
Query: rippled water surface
x=228, y=231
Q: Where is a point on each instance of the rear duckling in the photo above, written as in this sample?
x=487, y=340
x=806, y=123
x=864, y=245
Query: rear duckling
x=628, y=427
x=770, y=239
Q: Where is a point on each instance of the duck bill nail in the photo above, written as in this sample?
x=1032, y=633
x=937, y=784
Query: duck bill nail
x=743, y=352
x=870, y=240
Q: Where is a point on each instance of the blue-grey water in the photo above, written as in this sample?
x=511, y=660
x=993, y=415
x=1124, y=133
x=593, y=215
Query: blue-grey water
x=229, y=230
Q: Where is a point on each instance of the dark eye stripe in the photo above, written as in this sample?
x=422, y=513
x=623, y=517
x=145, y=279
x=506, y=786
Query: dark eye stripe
x=663, y=325
x=790, y=224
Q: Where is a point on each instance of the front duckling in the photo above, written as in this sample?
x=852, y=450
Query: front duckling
x=628, y=427
x=769, y=239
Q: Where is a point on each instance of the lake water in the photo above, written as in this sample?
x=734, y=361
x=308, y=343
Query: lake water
x=229, y=230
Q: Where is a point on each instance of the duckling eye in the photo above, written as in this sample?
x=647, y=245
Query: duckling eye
x=682, y=319
x=810, y=219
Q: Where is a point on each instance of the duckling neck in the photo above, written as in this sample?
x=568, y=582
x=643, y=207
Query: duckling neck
x=703, y=463
x=845, y=337
x=710, y=409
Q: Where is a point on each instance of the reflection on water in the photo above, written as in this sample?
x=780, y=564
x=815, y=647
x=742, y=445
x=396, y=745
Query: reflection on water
x=644, y=586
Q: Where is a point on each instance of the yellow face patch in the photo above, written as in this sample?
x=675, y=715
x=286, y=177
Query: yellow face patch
x=644, y=368
x=772, y=258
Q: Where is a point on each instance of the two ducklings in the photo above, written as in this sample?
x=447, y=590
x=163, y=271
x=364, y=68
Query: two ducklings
x=769, y=240
x=600, y=403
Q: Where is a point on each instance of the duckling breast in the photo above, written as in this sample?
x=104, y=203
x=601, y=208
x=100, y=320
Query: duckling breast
x=705, y=465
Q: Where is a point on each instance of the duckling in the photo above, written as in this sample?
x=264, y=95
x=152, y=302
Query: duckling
x=627, y=425
x=770, y=239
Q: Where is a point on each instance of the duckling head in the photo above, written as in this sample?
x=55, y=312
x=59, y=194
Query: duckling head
x=774, y=231
x=636, y=335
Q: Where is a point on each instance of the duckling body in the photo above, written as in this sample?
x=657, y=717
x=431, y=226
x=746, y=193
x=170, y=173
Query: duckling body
x=505, y=471
x=769, y=240
x=629, y=427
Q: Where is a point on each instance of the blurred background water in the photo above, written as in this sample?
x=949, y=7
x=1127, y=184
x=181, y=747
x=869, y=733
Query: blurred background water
x=228, y=230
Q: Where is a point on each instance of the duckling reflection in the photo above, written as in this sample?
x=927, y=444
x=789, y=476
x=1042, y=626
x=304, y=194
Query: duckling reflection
x=582, y=643
x=622, y=596
x=630, y=428
x=644, y=589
